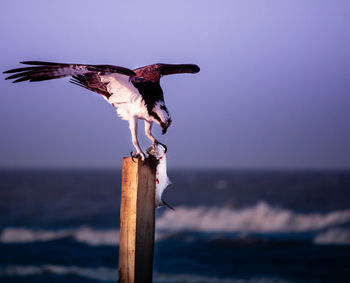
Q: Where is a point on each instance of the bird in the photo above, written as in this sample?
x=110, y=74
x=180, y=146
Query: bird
x=136, y=94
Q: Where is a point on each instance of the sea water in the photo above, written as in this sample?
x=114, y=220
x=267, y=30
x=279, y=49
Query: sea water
x=228, y=226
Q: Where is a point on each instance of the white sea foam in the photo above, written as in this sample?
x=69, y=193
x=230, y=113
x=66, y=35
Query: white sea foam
x=84, y=234
x=334, y=236
x=261, y=218
x=110, y=274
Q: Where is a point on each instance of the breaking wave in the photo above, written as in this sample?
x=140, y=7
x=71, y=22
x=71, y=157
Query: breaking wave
x=261, y=218
x=84, y=234
x=108, y=274
x=334, y=236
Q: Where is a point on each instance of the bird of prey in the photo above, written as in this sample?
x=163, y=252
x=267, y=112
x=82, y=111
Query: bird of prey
x=136, y=94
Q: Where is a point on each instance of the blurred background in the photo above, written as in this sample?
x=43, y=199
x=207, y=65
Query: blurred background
x=258, y=150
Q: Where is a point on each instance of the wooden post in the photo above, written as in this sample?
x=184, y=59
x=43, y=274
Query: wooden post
x=137, y=212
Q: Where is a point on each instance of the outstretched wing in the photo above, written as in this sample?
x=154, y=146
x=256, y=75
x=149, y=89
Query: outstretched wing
x=87, y=76
x=108, y=80
x=154, y=72
x=147, y=79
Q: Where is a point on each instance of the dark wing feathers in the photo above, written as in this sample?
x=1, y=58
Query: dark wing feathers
x=34, y=75
x=25, y=69
x=42, y=63
x=154, y=72
x=87, y=76
x=145, y=79
x=112, y=69
x=40, y=71
x=91, y=81
x=168, y=69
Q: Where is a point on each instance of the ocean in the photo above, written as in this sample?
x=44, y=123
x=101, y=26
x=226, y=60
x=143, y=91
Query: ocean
x=228, y=226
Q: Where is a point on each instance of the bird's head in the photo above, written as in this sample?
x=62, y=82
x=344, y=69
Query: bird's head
x=161, y=116
x=165, y=125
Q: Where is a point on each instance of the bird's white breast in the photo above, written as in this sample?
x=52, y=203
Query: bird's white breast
x=125, y=97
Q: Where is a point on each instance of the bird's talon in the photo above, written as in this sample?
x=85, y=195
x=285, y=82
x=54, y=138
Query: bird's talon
x=137, y=155
x=133, y=155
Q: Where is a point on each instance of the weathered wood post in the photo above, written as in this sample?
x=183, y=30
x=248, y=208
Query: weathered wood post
x=137, y=213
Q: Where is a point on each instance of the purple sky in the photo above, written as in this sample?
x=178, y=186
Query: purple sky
x=273, y=91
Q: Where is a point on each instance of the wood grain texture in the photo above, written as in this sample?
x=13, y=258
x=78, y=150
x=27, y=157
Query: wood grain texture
x=137, y=213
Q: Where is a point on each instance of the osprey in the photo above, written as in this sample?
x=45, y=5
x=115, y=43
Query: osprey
x=136, y=94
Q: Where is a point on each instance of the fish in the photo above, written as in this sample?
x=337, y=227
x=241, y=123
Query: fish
x=158, y=151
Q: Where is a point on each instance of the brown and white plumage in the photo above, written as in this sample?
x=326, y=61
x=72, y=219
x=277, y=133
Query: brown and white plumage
x=136, y=94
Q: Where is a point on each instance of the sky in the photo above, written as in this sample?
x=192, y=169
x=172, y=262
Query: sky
x=273, y=91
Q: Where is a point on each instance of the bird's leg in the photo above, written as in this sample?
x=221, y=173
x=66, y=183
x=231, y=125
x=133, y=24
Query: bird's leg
x=148, y=128
x=135, y=142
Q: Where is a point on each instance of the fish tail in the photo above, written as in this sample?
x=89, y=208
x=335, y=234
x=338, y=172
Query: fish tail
x=167, y=205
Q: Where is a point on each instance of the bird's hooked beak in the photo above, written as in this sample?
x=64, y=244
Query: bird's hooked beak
x=165, y=126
